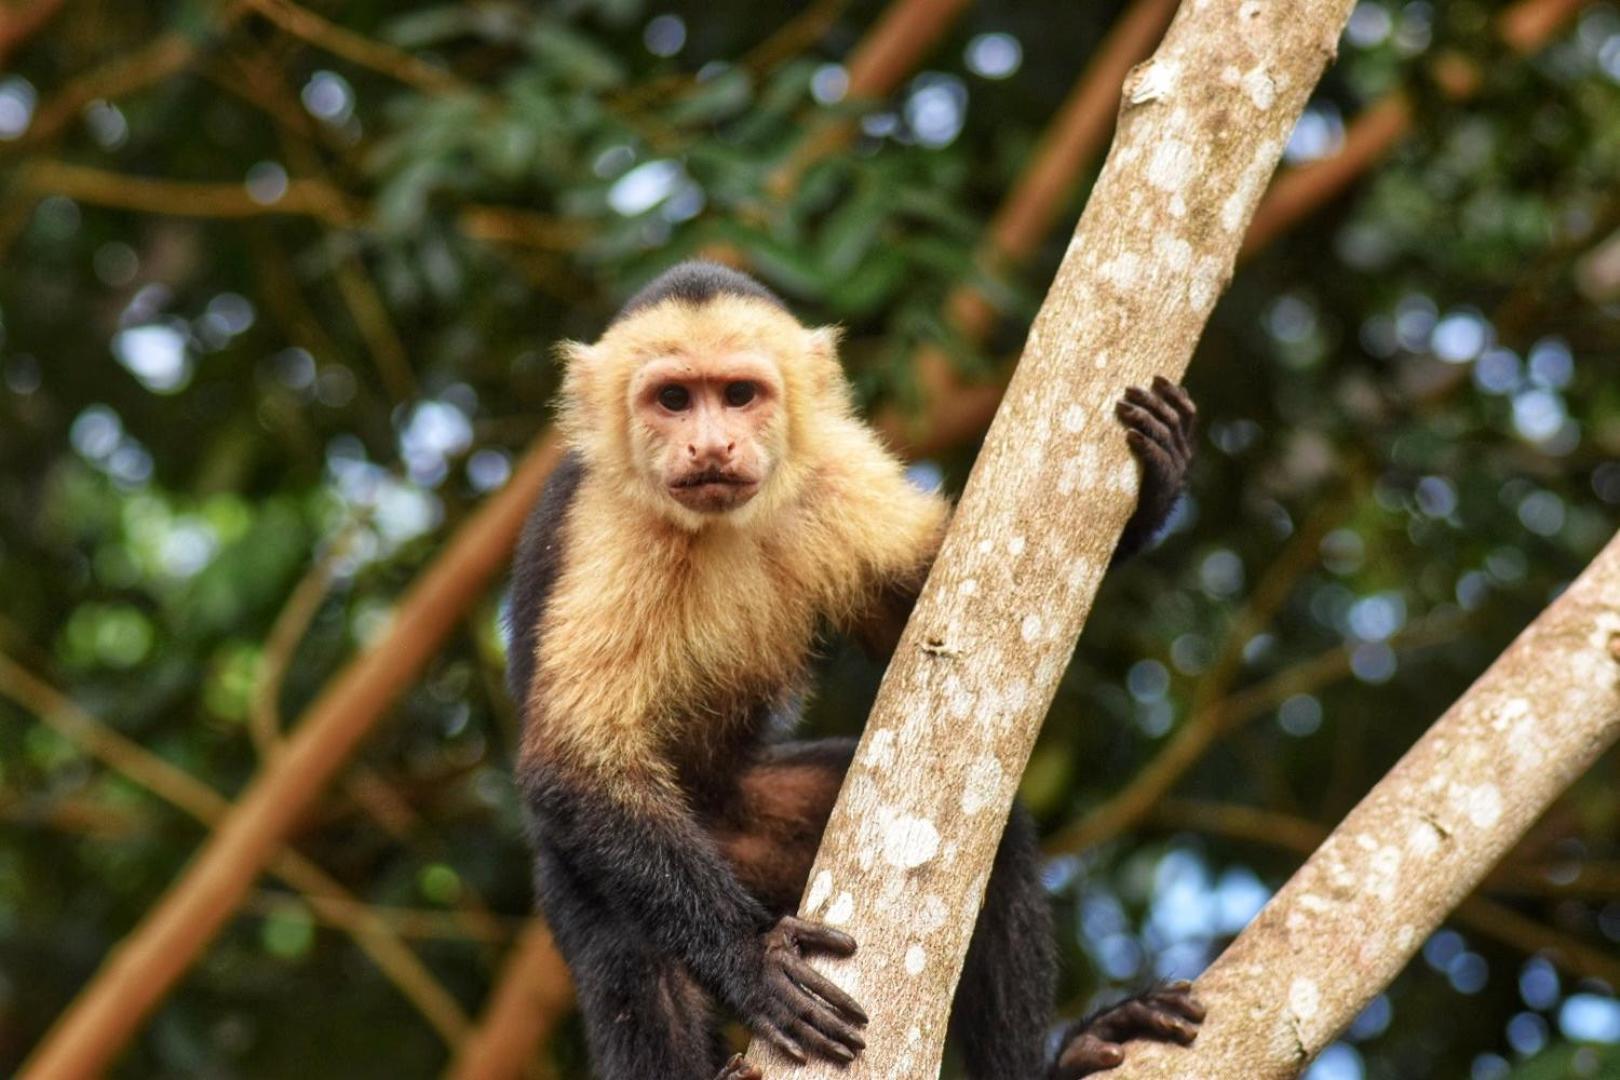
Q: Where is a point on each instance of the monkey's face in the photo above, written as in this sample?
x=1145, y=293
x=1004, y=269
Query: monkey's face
x=708, y=430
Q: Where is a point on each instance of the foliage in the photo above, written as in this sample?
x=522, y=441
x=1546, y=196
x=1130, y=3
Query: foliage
x=1412, y=419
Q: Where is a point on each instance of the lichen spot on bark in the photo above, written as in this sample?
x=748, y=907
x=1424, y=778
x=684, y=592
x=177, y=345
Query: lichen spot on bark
x=880, y=749
x=1304, y=999
x=909, y=842
x=1481, y=804
x=1173, y=164
x=916, y=960
x=841, y=911
x=820, y=889
x=1260, y=88
x=983, y=784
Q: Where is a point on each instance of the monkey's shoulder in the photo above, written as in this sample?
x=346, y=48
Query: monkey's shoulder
x=536, y=566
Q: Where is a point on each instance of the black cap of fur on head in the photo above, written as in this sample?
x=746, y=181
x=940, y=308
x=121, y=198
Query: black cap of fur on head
x=696, y=282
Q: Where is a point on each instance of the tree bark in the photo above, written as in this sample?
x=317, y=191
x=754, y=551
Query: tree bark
x=907, y=853
x=1416, y=846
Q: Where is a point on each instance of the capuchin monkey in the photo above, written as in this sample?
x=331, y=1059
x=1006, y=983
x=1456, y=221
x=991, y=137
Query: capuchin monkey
x=720, y=507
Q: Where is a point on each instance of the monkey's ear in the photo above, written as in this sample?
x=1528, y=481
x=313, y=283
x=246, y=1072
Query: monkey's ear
x=821, y=348
x=576, y=404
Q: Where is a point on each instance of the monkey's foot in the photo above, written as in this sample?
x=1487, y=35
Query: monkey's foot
x=738, y=1069
x=1168, y=1013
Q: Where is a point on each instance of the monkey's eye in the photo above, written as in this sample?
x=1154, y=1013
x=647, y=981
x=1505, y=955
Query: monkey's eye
x=739, y=394
x=674, y=398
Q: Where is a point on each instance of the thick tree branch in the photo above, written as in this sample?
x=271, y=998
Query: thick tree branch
x=1483, y=916
x=905, y=859
x=1416, y=846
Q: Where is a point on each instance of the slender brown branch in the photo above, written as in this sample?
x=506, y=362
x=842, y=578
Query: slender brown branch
x=885, y=56
x=1524, y=27
x=405, y=922
x=177, y=198
x=531, y=996
x=359, y=49
x=1204, y=727
x=160, y=58
x=303, y=603
x=138, y=974
x=955, y=410
x=20, y=20
x=184, y=791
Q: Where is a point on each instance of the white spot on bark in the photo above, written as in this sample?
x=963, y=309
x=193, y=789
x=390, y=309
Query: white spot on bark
x=983, y=784
x=1015, y=546
x=1384, y=874
x=909, y=842
x=1313, y=903
x=841, y=910
x=985, y=546
x=1173, y=163
x=1404, y=936
x=1205, y=284
x=1304, y=999
x=1482, y=805
x=1423, y=840
x=1030, y=628
x=1178, y=206
x=1082, y=572
x=916, y=960
x=968, y=587
x=1251, y=9
x=820, y=889
x=1230, y=75
x=1174, y=251
x=1073, y=419
x=880, y=749
x=1123, y=271
x=1155, y=80
x=1260, y=88
x=932, y=915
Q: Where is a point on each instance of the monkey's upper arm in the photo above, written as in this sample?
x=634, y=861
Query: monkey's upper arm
x=534, y=572
x=878, y=630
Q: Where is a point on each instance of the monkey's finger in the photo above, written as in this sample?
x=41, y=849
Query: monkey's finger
x=739, y=1068
x=1153, y=403
x=781, y=1040
x=1178, y=398
x=824, y=938
x=822, y=1045
x=1139, y=1019
x=1164, y=410
x=1155, y=457
x=811, y=1014
x=1178, y=998
x=1086, y=1055
x=1138, y=419
x=824, y=988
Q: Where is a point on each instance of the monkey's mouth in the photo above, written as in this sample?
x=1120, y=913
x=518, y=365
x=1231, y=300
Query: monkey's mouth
x=713, y=489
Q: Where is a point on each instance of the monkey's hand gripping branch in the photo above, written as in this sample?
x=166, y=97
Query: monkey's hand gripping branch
x=661, y=871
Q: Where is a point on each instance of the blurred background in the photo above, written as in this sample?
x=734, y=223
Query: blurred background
x=279, y=289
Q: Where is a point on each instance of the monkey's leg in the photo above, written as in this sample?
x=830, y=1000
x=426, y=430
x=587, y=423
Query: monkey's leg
x=1003, y=1006
x=770, y=830
x=644, y=1015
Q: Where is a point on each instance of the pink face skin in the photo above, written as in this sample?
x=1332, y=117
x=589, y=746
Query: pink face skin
x=709, y=423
